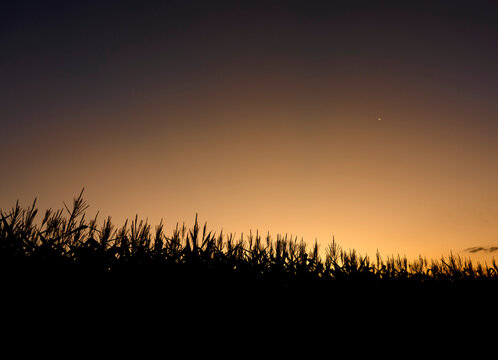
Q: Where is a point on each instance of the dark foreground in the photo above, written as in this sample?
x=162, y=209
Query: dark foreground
x=68, y=274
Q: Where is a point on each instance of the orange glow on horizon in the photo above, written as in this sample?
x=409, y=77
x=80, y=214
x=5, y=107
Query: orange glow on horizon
x=262, y=118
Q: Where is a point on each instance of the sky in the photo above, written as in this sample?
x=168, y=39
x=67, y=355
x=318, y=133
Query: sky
x=370, y=122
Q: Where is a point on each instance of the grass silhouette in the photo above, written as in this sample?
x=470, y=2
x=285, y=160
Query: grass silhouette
x=67, y=270
x=66, y=244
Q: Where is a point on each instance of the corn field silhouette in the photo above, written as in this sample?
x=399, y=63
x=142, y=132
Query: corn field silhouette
x=66, y=269
x=66, y=244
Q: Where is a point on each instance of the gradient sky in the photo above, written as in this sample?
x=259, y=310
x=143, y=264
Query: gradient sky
x=260, y=115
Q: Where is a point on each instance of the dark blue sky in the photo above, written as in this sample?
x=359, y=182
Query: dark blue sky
x=74, y=52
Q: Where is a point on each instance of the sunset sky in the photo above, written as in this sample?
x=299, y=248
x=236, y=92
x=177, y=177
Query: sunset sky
x=375, y=122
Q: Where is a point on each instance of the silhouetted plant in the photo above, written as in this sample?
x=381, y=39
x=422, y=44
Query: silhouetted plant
x=65, y=243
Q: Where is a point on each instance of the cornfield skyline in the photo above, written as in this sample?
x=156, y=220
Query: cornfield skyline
x=67, y=235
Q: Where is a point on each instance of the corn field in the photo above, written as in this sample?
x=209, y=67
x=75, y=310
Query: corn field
x=67, y=243
x=64, y=266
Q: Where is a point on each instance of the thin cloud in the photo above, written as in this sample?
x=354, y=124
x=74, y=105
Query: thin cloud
x=477, y=249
